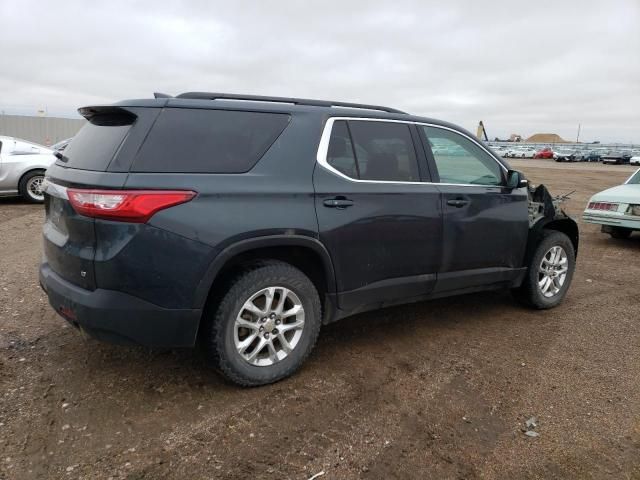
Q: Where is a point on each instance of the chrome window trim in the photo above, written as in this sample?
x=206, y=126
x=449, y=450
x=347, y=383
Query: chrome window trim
x=323, y=148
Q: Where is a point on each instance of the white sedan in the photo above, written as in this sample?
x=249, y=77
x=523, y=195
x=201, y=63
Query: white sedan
x=635, y=160
x=522, y=152
x=617, y=209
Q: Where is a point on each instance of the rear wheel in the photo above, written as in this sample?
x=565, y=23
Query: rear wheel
x=549, y=273
x=620, y=232
x=265, y=326
x=30, y=186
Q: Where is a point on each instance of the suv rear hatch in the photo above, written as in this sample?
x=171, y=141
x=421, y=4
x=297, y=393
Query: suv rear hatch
x=98, y=157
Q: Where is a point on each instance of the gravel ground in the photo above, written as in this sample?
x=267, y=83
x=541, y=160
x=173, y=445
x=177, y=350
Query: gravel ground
x=431, y=390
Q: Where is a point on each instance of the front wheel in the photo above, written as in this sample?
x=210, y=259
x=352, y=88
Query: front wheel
x=549, y=273
x=264, y=326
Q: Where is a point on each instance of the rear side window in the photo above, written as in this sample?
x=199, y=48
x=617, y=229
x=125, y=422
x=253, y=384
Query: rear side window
x=97, y=142
x=373, y=151
x=208, y=141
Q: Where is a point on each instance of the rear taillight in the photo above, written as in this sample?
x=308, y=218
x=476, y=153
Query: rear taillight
x=603, y=206
x=136, y=206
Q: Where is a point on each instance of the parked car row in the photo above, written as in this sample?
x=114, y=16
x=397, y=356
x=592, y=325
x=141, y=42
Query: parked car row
x=516, y=152
x=570, y=154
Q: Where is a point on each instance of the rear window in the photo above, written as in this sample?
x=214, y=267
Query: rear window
x=208, y=141
x=97, y=142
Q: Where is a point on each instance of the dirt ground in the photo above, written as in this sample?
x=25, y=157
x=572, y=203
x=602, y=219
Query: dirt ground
x=432, y=390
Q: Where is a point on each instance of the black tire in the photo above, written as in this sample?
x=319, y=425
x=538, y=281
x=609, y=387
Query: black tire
x=620, y=233
x=529, y=293
x=218, y=332
x=23, y=186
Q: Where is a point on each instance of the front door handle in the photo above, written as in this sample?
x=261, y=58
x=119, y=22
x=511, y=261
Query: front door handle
x=458, y=202
x=338, y=202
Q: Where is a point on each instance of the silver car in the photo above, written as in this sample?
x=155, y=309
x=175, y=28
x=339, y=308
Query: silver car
x=22, y=166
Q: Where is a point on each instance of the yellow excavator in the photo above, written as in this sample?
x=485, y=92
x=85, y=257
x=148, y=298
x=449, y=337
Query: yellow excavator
x=482, y=133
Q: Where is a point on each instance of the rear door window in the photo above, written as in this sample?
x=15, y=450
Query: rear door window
x=372, y=150
x=385, y=151
x=95, y=145
x=208, y=141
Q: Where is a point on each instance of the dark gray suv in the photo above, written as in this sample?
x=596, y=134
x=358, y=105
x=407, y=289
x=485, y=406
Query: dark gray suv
x=244, y=223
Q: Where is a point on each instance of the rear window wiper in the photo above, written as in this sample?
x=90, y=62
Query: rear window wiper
x=60, y=156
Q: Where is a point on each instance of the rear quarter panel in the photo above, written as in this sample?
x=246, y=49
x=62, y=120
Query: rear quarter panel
x=276, y=197
x=13, y=167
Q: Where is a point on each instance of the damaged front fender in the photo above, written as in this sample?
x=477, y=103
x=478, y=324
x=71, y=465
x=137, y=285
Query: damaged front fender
x=545, y=213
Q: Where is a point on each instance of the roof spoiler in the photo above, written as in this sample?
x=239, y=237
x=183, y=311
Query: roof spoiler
x=108, y=115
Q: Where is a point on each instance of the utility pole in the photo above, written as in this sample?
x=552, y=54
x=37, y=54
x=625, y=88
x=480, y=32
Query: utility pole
x=578, y=136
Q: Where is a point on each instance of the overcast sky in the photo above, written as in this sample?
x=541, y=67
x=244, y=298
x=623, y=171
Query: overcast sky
x=522, y=67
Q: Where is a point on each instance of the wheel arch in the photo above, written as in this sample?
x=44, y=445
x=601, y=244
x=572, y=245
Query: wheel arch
x=566, y=225
x=30, y=170
x=305, y=253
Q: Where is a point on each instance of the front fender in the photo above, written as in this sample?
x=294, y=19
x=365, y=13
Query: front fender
x=545, y=214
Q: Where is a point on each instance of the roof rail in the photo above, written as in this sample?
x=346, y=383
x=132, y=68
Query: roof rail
x=294, y=101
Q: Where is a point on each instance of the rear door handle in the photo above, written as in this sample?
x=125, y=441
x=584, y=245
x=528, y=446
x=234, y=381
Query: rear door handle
x=339, y=202
x=458, y=202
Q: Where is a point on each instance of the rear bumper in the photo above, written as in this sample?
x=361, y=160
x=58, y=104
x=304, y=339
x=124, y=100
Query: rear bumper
x=116, y=317
x=612, y=220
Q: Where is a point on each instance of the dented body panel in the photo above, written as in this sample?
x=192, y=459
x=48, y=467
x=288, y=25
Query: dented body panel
x=545, y=212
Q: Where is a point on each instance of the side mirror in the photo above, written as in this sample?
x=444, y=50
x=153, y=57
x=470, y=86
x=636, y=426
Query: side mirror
x=516, y=179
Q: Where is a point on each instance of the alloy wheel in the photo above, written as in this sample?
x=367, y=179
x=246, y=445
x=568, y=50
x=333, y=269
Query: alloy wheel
x=269, y=326
x=34, y=188
x=552, y=271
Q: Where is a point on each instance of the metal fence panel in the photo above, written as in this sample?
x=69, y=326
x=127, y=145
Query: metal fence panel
x=42, y=130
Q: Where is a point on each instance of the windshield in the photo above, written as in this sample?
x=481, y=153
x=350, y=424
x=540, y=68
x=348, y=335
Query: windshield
x=635, y=178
